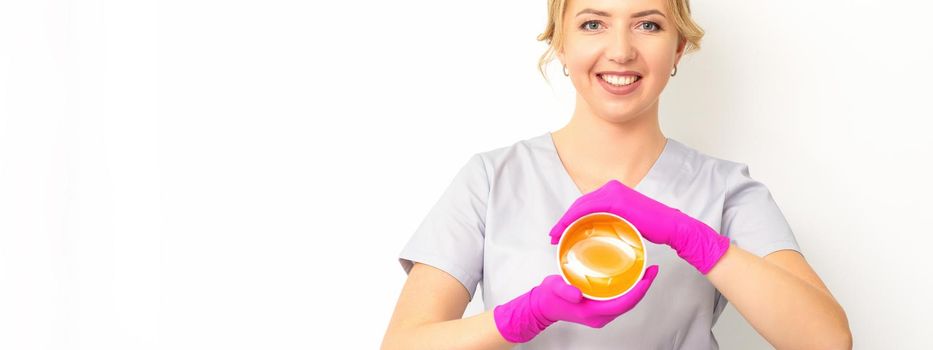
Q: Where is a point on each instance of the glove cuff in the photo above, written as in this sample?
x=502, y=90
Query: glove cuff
x=699, y=245
x=518, y=321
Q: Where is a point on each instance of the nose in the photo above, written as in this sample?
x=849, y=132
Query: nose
x=620, y=48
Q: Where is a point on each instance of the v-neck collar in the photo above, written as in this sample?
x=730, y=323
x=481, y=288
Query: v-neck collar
x=664, y=163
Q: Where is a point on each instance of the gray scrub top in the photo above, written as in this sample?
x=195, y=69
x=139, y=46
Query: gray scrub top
x=490, y=227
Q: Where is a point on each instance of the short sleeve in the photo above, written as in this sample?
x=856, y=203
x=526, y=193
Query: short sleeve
x=451, y=237
x=751, y=218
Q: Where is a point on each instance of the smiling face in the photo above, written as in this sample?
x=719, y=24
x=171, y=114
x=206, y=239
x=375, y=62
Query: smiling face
x=619, y=54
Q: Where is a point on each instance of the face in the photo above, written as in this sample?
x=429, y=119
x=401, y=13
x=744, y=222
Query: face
x=620, y=54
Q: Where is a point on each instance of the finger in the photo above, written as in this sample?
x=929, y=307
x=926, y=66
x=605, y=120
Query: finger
x=569, y=293
x=556, y=285
x=614, y=185
x=599, y=200
x=651, y=272
x=628, y=301
x=577, y=210
x=558, y=229
x=598, y=322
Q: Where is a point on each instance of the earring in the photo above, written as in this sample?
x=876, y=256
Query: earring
x=675, y=71
x=566, y=73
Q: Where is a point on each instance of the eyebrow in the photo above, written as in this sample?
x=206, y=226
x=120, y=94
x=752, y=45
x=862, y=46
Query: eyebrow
x=634, y=15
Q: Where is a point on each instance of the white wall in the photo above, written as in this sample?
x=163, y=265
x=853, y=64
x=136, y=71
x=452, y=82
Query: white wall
x=217, y=174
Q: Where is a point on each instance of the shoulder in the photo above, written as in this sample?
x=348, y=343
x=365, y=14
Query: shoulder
x=483, y=168
x=527, y=147
x=698, y=163
x=523, y=153
x=737, y=185
x=728, y=179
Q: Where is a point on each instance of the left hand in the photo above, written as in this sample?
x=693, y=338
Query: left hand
x=522, y=318
x=694, y=241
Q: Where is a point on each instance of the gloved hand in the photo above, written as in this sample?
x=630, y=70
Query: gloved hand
x=522, y=318
x=693, y=240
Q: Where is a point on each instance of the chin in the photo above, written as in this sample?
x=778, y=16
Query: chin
x=618, y=117
x=622, y=112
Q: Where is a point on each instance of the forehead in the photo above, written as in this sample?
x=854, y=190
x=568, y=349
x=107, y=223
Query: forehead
x=616, y=7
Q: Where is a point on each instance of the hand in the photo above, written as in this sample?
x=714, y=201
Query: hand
x=521, y=319
x=694, y=241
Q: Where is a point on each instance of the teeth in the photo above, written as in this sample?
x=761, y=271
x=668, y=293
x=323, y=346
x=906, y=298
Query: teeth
x=618, y=80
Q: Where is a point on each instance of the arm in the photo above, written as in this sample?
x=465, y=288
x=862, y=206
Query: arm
x=783, y=299
x=428, y=316
x=424, y=319
x=780, y=296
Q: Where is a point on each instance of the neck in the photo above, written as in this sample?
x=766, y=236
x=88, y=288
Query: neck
x=611, y=148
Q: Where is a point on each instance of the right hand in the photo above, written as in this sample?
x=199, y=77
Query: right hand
x=693, y=240
x=521, y=319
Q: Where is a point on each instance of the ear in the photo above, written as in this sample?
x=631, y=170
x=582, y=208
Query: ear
x=681, y=46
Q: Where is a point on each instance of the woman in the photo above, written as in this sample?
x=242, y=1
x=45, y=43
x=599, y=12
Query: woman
x=716, y=234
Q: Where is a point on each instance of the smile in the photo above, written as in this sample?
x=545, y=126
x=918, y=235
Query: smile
x=619, y=80
x=619, y=84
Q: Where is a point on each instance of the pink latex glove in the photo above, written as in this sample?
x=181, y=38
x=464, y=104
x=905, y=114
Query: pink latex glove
x=693, y=240
x=554, y=300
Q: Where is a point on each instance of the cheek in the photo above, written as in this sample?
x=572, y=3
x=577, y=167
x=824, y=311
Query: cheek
x=581, y=57
x=659, y=51
x=661, y=67
x=667, y=53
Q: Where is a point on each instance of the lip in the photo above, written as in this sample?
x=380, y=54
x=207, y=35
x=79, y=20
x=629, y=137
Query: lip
x=620, y=90
x=628, y=72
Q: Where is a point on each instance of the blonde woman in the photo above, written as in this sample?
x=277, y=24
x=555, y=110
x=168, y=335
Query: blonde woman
x=716, y=235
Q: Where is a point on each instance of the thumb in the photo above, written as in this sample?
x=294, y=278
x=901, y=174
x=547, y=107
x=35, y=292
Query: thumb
x=558, y=230
x=650, y=273
x=642, y=287
x=628, y=300
x=563, y=290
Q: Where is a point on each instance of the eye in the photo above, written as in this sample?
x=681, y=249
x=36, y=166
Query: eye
x=650, y=26
x=590, y=25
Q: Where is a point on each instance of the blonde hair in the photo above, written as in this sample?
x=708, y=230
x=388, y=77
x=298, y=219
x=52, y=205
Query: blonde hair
x=553, y=35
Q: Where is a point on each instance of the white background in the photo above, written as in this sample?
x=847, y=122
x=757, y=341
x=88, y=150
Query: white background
x=242, y=175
